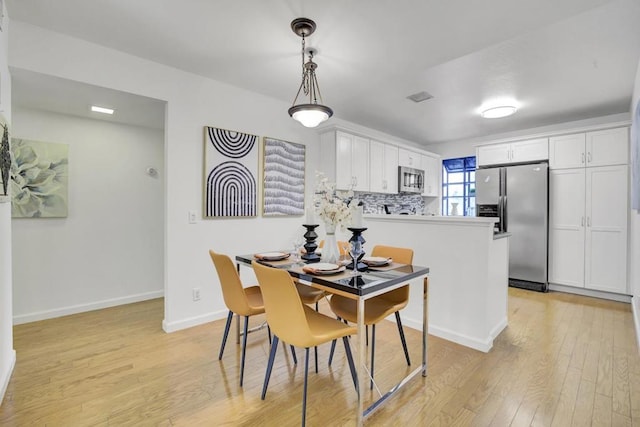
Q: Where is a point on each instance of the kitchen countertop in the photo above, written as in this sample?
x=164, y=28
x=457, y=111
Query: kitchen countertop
x=469, y=220
x=497, y=236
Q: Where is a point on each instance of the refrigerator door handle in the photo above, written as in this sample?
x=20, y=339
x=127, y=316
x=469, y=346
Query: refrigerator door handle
x=503, y=217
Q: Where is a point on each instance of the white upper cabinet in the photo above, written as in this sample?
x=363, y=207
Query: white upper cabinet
x=410, y=159
x=597, y=148
x=352, y=162
x=513, y=152
x=383, y=167
x=432, y=175
x=608, y=147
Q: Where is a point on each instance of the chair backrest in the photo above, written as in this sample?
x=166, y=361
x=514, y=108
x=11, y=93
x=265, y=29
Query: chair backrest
x=232, y=290
x=399, y=255
x=282, y=305
x=343, y=246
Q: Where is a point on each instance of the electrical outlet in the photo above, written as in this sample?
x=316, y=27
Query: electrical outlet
x=192, y=217
x=196, y=294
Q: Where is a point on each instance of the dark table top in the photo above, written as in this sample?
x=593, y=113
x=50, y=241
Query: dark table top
x=373, y=280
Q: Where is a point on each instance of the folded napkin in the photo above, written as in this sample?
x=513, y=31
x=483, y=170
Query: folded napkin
x=376, y=262
x=272, y=257
x=309, y=269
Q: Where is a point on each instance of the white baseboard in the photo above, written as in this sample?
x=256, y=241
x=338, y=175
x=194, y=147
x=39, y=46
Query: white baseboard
x=5, y=377
x=193, y=321
x=465, y=340
x=590, y=293
x=81, y=308
x=635, y=309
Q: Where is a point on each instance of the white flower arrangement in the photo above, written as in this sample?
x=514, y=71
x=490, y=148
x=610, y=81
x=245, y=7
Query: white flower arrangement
x=334, y=207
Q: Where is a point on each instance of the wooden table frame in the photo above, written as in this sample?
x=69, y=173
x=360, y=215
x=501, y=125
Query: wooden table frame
x=378, y=282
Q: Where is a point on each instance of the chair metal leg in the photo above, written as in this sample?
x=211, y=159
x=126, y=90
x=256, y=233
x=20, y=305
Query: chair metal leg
x=269, y=333
x=244, y=348
x=293, y=354
x=333, y=348
x=267, y=375
x=373, y=352
x=304, y=392
x=226, y=334
x=333, y=345
x=315, y=350
x=404, y=342
x=352, y=366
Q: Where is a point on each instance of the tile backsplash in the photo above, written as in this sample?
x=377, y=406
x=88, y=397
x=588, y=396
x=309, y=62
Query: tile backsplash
x=374, y=203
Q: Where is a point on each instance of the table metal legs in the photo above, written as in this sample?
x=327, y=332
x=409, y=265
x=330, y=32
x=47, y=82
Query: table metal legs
x=363, y=413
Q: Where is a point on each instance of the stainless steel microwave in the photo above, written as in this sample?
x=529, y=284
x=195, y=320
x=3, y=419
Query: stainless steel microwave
x=410, y=180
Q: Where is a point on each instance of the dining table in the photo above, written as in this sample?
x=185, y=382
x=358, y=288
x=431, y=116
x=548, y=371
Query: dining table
x=360, y=286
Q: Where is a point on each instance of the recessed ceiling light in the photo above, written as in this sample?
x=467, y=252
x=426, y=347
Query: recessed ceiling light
x=498, y=112
x=103, y=110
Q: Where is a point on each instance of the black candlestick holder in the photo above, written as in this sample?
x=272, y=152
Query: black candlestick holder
x=310, y=256
x=357, y=237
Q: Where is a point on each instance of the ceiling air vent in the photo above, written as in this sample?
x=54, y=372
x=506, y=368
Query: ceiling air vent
x=420, y=96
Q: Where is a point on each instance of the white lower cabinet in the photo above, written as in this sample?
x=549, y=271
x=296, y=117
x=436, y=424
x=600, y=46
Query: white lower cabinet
x=588, y=228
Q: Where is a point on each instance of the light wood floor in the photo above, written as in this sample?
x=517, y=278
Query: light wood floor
x=563, y=360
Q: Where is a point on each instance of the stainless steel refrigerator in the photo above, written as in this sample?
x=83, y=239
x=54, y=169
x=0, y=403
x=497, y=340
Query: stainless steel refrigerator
x=518, y=196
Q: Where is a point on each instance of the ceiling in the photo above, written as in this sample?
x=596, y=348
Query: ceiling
x=562, y=60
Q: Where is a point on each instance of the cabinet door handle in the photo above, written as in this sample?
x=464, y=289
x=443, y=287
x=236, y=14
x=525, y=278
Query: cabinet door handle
x=355, y=178
x=583, y=158
x=588, y=222
x=384, y=184
x=589, y=157
x=582, y=223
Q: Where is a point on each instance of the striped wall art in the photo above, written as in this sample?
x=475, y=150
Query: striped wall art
x=284, y=165
x=231, y=170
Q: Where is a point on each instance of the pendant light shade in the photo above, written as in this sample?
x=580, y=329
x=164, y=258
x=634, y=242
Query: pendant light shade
x=312, y=112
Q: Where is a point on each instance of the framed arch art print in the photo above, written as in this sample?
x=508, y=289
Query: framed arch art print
x=231, y=172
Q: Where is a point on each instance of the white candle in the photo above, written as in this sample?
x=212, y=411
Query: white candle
x=310, y=216
x=357, y=217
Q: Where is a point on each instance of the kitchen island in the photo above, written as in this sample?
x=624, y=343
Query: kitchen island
x=468, y=279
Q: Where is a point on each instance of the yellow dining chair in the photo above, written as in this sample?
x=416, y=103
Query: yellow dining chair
x=297, y=324
x=377, y=308
x=311, y=296
x=239, y=300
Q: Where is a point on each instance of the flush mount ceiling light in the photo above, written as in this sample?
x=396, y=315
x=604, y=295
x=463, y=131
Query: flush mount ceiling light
x=102, y=110
x=311, y=113
x=498, y=112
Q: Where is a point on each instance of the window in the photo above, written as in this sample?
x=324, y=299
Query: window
x=459, y=186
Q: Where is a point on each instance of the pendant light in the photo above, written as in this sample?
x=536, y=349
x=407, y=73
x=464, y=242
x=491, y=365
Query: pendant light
x=313, y=112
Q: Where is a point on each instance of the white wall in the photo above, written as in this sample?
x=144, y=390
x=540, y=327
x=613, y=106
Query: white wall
x=109, y=250
x=7, y=354
x=192, y=103
x=634, y=231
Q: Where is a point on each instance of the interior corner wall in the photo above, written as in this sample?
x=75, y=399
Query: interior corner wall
x=192, y=103
x=109, y=249
x=7, y=353
x=634, y=226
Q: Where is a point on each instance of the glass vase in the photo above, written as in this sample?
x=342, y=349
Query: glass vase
x=330, y=250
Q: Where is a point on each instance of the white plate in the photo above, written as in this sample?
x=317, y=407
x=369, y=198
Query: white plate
x=376, y=260
x=325, y=266
x=272, y=256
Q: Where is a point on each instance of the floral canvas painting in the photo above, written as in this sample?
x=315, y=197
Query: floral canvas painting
x=5, y=161
x=283, y=178
x=39, y=179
